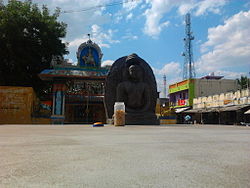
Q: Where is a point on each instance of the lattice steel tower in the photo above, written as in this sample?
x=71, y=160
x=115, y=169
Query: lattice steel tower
x=188, y=67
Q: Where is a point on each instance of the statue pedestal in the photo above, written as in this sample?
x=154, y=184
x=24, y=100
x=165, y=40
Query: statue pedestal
x=141, y=119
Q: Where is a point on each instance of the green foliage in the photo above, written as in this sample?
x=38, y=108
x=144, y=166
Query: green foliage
x=243, y=82
x=29, y=37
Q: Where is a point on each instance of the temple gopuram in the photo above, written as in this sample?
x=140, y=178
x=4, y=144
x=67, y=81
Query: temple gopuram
x=78, y=90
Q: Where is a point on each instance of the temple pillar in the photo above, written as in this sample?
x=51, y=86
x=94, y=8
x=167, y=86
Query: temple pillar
x=58, y=109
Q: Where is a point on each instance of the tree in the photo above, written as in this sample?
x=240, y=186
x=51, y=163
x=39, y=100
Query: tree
x=243, y=82
x=29, y=37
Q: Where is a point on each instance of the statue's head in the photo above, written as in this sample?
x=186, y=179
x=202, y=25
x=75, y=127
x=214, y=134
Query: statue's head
x=132, y=60
x=135, y=72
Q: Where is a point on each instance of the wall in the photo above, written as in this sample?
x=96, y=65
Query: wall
x=16, y=105
x=205, y=87
x=191, y=92
x=240, y=97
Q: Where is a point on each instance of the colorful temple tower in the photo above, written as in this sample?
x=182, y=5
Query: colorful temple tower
x=78, y=90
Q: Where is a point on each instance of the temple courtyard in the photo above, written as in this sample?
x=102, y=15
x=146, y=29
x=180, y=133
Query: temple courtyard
x=67, y=156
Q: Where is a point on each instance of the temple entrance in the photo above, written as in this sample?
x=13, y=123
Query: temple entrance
x=75, y=113
x=81, y=113
x=84, y=102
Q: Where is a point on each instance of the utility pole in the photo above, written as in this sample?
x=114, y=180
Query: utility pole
x=188, y=67
x=164, y=87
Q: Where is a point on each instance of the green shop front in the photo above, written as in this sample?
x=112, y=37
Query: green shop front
x=181, y=95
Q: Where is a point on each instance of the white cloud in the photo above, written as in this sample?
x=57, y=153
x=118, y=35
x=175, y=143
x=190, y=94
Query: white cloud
x=130, y=36
x=228, y=45
x=129, y=16
x=102, y=38
x=201, y=7
x=230, y=74
x=127, y=10
x=118, y=16
x=107, y=63
x=128, y=6
x=185, y=8
x=169, y=81
x=79, y=24
x=155, y=21
x=172, y=71
x=209, y=6
x=154, y=15
x=78, y=41
x=77, y=4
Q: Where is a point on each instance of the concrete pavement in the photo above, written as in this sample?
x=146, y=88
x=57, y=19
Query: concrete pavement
x=57, y=156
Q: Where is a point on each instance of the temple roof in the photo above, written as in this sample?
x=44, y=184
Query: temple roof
x=98, y=73
x=89, y=57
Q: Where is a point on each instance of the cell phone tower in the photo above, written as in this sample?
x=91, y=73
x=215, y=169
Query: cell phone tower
x=188, y=67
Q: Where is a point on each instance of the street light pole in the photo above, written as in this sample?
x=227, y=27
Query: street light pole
x=248, y=82
x=201, y=117
x=219, y=115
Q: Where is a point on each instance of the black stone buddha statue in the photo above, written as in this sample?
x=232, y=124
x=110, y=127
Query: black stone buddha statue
x=131, y=80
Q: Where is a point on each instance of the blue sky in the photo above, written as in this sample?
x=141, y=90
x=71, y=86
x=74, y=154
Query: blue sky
x=154, y=29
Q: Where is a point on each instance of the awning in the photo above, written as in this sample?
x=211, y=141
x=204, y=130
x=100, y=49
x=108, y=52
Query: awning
x=218, y=109
x=201, y=110
x=194, y=111
x=247, y=112
x=179, y=110
x=232, y=108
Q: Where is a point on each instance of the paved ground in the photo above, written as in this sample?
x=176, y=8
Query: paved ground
x=124, y=157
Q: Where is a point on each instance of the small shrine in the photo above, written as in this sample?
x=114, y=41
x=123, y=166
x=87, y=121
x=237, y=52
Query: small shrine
x=78, y=90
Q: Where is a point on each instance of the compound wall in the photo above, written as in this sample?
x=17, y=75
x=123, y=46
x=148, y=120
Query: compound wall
x=16, y=105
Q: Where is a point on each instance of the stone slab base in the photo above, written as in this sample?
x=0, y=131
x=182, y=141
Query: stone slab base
x=141, y=119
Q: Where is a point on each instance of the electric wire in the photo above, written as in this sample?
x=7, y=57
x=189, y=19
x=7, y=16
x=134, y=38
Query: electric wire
x=99, y=6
